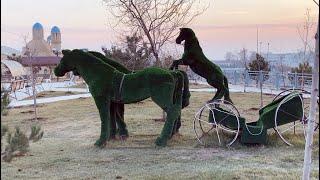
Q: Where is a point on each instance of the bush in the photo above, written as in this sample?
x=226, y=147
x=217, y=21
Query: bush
x=4, y=102
x=18, y=143
x=259, y=64
x=4, y=130
x=135, y=55
x=303, y=69
x=36, y=135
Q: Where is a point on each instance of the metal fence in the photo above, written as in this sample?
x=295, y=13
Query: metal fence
x=271, y=80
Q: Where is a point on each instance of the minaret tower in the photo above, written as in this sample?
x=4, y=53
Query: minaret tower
x=37, y=31
x=56, y=38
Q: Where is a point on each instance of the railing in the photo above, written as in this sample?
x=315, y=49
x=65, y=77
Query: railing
x=271, y=80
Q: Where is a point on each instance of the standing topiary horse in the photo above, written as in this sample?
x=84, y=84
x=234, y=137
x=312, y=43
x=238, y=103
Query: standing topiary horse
x=106, y=84
x=117, y=109
x=199, y=63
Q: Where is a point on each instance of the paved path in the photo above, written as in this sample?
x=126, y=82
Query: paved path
x=62, y=86
x=48, y=100
x=85, y=95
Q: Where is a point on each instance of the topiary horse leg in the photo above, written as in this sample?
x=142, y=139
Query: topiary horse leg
x=164, y=99
x=217, y=82
x=177, y=125
x=123, y=132
x=113, y=118
x=103, y=106
x=172, y=115
x=226, y=94
x=172, y=106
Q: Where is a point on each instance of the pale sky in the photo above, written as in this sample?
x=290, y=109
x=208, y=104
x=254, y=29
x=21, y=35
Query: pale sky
x=227, y=25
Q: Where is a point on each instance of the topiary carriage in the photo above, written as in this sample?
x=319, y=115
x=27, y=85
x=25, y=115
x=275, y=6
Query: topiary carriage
x=285, y=112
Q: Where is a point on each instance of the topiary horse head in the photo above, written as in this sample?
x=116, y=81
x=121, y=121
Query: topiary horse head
x=106, y=84
x=200, y=64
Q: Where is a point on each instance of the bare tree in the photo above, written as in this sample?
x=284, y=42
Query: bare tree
x=282, y=69
x=134, y=53
x=31, y=53
x=305, y=38
x=304, y=34
x=243, y=54
x=155, y=20
x=230, y=56
x=313, y=107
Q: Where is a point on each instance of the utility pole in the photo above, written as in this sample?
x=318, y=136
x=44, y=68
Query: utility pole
x=268, y=52
x=257, y=39
x=245, y=68
x=259, y=76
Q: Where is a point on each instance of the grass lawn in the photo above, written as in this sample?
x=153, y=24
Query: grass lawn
x=71, y=127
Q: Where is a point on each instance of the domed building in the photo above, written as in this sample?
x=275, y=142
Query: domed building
x=38, y=46
x=43, y=53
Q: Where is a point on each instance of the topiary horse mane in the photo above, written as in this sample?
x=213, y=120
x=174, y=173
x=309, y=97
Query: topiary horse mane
x=117, y=109
x=107, y=84
x=200, y=64
x=111, y=62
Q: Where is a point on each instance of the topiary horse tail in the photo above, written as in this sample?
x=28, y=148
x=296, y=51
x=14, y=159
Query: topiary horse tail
x=177, y=95
x=186, y=93
x=178, y=98
x=226, y=95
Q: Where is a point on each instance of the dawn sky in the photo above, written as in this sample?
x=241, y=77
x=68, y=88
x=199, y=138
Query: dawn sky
x=227, y=25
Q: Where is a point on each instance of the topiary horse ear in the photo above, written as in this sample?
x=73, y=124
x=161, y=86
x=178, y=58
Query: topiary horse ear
x=65, y=51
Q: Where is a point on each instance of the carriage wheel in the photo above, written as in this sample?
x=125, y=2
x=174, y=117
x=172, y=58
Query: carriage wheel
x=306, y=101
x=205, y=130
x=300, y=125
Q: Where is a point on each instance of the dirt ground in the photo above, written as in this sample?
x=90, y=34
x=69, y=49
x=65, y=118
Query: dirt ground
x=71, y=127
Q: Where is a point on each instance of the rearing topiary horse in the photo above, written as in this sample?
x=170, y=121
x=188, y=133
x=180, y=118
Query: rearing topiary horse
x=106, y=84
x=200, y=64
x=117, y=109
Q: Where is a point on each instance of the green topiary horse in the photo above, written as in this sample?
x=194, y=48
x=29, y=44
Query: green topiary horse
x=106, y=84
x=117, y=109
x=199, y=63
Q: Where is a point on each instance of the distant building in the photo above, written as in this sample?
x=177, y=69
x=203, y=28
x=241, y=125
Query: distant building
x=289, y=59
x=45, y=54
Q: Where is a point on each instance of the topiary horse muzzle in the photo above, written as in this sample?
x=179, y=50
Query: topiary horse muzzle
x=179, y=39
x=75, y=72
x=61, y=70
